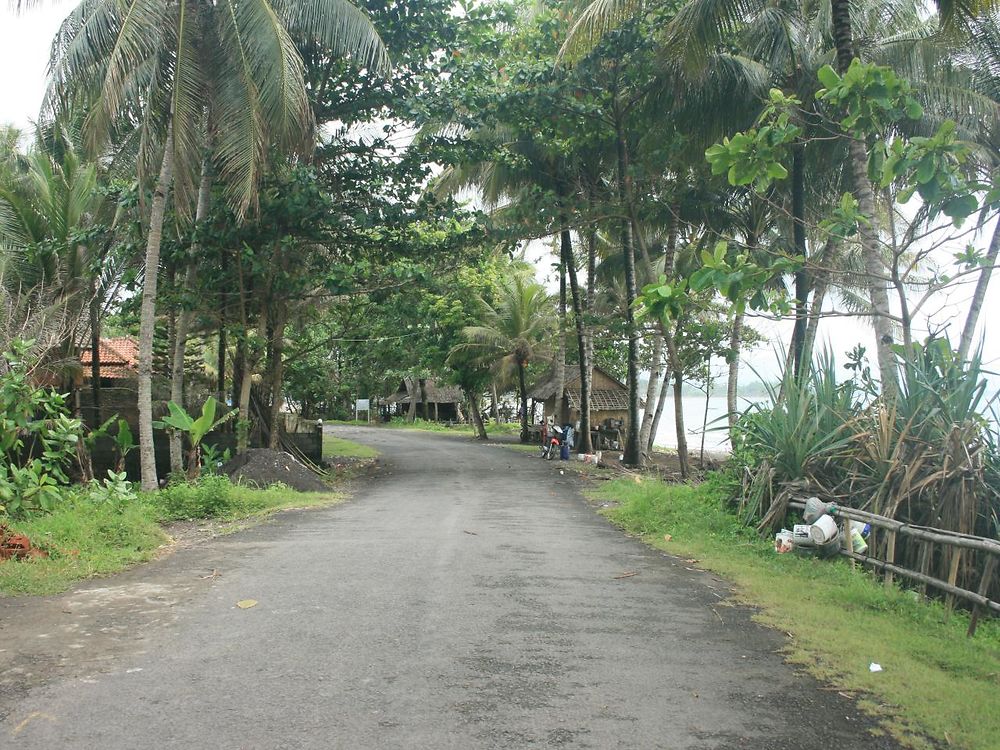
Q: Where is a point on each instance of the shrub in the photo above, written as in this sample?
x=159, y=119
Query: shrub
x=38, y=439
x=207, y=497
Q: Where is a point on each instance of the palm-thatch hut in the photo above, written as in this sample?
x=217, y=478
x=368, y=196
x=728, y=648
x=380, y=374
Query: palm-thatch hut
x=443, y=401
x=608, y=403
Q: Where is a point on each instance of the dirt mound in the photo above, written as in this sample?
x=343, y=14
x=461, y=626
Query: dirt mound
x=260, y=467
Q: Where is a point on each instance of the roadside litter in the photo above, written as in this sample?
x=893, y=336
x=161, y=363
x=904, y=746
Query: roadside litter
x=819, y=536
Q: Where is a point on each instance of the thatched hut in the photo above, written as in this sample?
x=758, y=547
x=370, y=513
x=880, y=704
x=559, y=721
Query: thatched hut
x=443, y=401
x=608, y=403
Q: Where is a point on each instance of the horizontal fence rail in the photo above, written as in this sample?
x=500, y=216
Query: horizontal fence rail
x=927, y=538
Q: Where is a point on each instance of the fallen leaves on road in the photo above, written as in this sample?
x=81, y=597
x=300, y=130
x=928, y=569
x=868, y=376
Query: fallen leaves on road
x=246, y=603
x=214, y=574
x=473, y=533
x=667, y=537
x=629, y=574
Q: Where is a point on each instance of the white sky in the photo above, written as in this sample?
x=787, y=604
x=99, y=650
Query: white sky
x=24, y=51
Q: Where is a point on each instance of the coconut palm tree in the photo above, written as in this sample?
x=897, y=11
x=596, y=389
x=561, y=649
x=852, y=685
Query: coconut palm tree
x=49, y=199
x=514, y=331
x=168, y=78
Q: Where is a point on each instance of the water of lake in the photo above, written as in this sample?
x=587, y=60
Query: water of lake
x=694, y=407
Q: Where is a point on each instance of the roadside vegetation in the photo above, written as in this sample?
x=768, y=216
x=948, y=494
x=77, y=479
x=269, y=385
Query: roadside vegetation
x=936, y=682
x=96, y=531
x=337, y=447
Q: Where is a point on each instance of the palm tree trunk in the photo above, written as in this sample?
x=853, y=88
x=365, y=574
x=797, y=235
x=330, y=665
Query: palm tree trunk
x=633, y=454
x=682, y=446
x=221, y=366
x=972, y=319
x=652, y=389
x=243, y=428
x=661, y=400
x=809, y=344
x=559, y=414
x=584, y=443
x=732, y=386
x=147, y=316
x=277, y=376
x=874, y=267
x=496, y=403
x=523, y=394
x=411, y=413
x=95, y=352
x=799, y=237
x=423, y=399
x=186, y=313
x=477, y=416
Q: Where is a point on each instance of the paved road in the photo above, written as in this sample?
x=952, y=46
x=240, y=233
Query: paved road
x=466, y=598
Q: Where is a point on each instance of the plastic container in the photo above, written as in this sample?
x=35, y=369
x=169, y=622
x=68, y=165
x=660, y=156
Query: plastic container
x=823, y=530
x=858, y=543
x=816, y=509
x=801, y=536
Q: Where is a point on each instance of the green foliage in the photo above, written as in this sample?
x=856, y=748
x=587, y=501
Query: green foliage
x=754, y=157
x=872, y=96
x=209, y=496
x=38, y=439
x=195, y=428
x=935, y=168
x=845, y=219
x=929, y=457
x=741, y=280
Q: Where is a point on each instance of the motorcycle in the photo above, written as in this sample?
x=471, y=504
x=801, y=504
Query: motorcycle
x=552, y=442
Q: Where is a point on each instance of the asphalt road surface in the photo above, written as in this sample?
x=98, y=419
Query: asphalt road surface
x=466, y=597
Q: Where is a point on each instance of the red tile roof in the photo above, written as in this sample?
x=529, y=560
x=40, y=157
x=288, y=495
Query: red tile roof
x=119, y=358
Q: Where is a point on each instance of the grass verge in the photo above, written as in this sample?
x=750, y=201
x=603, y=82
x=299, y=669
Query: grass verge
x=936, y=682
x=335, y=447
x=504, y=428
x=84, y=538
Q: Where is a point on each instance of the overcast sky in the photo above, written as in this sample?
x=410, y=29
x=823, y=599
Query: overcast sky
x=24, y=50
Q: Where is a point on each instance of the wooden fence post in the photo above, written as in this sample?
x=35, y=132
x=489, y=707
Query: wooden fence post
x=956, y=557
x=924, y=563
x=984, y=586
x=890, y=555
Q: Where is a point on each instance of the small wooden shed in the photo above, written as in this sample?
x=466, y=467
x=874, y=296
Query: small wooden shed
x=443, y=401
x=608, y=400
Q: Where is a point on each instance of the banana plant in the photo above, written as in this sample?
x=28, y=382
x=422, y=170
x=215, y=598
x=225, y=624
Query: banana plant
x=195, y=428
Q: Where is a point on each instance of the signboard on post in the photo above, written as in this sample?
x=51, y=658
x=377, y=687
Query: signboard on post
x=362, y=405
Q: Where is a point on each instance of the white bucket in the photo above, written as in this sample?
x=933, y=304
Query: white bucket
x=823, y=530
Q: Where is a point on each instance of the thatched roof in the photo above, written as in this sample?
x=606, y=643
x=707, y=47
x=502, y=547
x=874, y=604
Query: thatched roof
x=409, y=390
x=599, y=400
x=603, y=399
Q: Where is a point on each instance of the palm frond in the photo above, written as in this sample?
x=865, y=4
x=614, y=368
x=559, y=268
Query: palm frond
x=596, y=20
x=339, y=25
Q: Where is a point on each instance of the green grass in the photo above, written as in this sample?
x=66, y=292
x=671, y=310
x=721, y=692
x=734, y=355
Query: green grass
x=937, y=683
x=86, y=538
x=504, y=428
x=335, y=447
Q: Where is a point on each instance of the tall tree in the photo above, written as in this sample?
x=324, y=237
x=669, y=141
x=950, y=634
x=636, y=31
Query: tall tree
x=164, y=66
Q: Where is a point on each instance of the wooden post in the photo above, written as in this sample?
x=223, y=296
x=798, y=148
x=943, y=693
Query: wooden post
x=848, y=542
x=924, y=562
x=984, y=587
x=890, y=555
x=956, y=557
